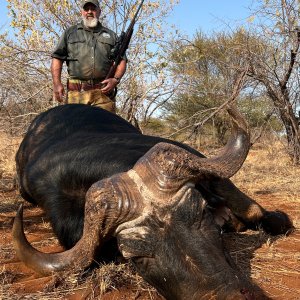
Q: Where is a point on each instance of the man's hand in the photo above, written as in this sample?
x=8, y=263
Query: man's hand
x=109, y=85
x=58, y=88
x=58, y=92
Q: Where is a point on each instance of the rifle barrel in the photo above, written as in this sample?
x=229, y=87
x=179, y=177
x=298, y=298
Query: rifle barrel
x=139, y=8
x=124, y=43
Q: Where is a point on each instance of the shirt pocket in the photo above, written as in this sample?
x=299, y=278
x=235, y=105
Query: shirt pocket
x=106, y=39
x=105, y=44
x=76, y=46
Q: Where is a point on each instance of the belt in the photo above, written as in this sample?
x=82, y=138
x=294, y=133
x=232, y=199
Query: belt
x=84, y=85
x=87, y=85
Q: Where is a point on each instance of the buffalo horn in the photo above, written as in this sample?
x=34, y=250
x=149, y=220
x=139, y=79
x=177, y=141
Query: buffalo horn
x=172, y=161
x=81, y=255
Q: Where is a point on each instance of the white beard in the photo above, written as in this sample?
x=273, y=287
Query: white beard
x=90, y=23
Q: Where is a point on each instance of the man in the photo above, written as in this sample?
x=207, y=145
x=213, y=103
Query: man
x=87, y=49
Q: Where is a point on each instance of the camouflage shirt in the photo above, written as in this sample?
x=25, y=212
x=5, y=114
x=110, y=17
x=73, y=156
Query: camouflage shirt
x=86, y=51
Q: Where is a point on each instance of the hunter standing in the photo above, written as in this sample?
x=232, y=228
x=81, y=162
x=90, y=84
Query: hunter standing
x=87, y=49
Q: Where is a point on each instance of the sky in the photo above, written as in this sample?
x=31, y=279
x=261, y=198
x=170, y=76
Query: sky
x=209, y=15
x=189, y=15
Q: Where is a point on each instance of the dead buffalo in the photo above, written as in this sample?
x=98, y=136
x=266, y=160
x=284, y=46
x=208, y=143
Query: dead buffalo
x=98, y=178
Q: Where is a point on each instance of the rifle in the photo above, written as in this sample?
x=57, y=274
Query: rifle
x=122, y=45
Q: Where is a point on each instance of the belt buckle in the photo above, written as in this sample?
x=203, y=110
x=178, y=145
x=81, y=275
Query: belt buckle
x=91, y=84
x=81, y=86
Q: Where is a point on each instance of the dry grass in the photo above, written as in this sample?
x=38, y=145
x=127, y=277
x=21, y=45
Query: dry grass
x=8, y=148
x=269, y=170
x=98, y=283
x=269, y=177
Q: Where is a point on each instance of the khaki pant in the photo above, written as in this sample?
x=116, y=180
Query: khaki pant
x=93, y=98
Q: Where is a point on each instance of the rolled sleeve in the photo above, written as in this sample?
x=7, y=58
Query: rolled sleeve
x=61, y=51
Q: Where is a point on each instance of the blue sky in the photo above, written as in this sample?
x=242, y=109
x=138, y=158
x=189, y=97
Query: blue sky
x=191, y=15
x=209, y=15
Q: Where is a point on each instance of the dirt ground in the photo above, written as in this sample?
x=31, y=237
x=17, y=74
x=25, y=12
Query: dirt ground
x=272, y=262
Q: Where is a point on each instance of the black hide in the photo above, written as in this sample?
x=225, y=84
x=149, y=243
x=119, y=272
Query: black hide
x=66, y=150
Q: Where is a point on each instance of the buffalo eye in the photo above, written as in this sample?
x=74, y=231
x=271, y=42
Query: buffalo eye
x=141, y=262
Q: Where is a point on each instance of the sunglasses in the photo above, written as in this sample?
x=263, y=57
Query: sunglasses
x=90, y=7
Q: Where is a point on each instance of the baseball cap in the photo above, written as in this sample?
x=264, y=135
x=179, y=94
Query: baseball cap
x=95, y=2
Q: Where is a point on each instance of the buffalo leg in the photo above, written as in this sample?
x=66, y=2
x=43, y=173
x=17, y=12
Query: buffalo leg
x=247, y=210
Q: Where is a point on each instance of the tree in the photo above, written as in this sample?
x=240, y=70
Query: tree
x=273, y=51
x=209, y=71
x=269, y=48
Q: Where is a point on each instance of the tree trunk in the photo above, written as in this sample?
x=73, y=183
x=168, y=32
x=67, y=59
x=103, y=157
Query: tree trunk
x=290, y=122
x=293, y=135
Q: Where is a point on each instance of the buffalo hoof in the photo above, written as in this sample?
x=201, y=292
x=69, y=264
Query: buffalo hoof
x=276, y=222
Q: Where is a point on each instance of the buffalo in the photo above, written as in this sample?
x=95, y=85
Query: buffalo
x=99, y=179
